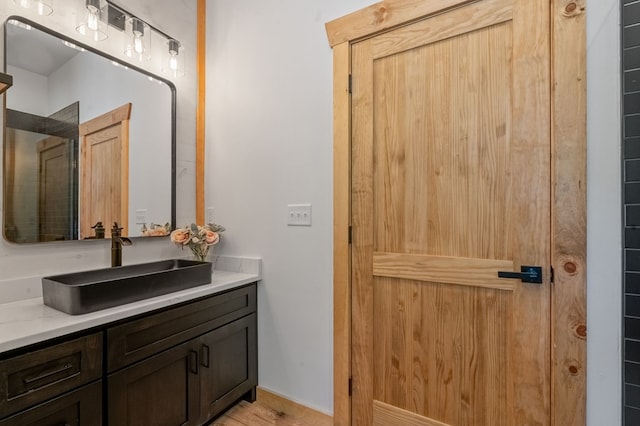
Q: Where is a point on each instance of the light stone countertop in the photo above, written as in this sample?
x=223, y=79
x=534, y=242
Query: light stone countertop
x=29, y=321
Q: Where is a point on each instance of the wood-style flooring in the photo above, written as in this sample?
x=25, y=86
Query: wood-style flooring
x=270, y=409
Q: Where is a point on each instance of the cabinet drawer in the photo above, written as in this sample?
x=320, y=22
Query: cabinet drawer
x=145, y=337
x=31, y=378
x=80, y=407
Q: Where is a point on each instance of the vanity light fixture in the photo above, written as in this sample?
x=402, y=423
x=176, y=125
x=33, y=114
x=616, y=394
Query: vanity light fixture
x=137, y=34
x=42, y=7
x=91, y=22
x=173, y=61
x=6, y=81
x=137, y=43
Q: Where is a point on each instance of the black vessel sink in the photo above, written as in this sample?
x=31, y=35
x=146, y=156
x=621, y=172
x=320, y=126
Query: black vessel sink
x=89, y=291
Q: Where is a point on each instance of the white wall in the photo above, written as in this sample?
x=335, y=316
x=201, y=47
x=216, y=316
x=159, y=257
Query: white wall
x=25, y=85
x=604, y=227
x=27, y=263
x=269, y=143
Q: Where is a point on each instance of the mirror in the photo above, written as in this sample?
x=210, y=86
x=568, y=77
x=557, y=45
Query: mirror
x=87, y=139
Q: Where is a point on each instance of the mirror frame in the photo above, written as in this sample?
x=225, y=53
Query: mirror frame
x=78, y=43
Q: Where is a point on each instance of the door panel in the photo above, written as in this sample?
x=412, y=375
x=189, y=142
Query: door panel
x=451, y=184
x=229, y=365
x=163, y=390
x=104, y=171
x=101, y=179
x=55, y=189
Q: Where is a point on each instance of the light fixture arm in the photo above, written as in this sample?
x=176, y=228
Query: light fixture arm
x=119, y=14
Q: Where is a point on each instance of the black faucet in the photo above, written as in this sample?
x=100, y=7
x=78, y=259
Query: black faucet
x=116, y=245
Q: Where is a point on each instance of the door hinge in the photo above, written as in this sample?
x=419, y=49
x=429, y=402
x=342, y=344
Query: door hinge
x=350, y=386
x=350, y=234
x=552, y=274
x=350, y=83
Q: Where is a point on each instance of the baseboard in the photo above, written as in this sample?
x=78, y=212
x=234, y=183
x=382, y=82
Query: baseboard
x=279, y=403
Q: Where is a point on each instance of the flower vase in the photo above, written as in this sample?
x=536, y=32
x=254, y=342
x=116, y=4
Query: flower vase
x=200, y=254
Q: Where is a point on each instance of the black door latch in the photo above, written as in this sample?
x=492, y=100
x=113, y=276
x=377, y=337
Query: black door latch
x=527, y=274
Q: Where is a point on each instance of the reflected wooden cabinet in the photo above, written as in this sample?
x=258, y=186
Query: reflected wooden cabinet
x=183, y=365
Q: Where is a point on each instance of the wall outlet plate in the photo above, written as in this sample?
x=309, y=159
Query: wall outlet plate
x=141, y=216
x=210, y=214
x=299, y=215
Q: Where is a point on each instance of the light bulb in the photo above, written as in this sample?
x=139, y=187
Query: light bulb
x=174, y=51
x=92, y=18
x=138, y=45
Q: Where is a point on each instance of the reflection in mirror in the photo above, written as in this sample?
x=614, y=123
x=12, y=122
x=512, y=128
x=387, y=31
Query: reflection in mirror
x=87, y=139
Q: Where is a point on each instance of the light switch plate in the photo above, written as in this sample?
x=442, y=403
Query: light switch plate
x=299, y=215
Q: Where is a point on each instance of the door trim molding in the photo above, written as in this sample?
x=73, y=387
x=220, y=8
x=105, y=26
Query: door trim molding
x=568, y=191
x=201, y=65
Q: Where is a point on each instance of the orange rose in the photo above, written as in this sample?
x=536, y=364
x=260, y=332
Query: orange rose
x=211, y=238
x=180, y=237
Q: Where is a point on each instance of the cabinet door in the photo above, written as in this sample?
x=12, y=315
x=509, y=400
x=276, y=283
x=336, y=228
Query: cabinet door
x=229, y=364
x=82, y=407
x=160, y=391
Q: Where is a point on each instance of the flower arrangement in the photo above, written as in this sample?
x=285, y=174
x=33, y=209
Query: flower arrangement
x=198, y=238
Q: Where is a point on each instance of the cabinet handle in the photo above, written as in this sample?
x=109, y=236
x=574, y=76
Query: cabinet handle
x=193, y=362
x=205, y=355
x=30, y=380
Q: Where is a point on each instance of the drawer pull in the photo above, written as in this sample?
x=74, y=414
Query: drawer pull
x=205, y=356
x=193, y=362
x=29, y=380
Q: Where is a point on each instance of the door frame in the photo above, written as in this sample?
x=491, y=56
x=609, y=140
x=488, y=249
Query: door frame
x=568, y=193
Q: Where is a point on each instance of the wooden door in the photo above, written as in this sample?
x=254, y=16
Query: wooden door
x=104, y=171
x=451, y=184
x=56, y=188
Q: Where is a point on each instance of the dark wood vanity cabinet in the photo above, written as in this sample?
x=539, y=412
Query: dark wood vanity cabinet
x=161, y=390
x=180, y=366
x=228, y=366
x=34, y=385
x=186, y=365
x=82, y=407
